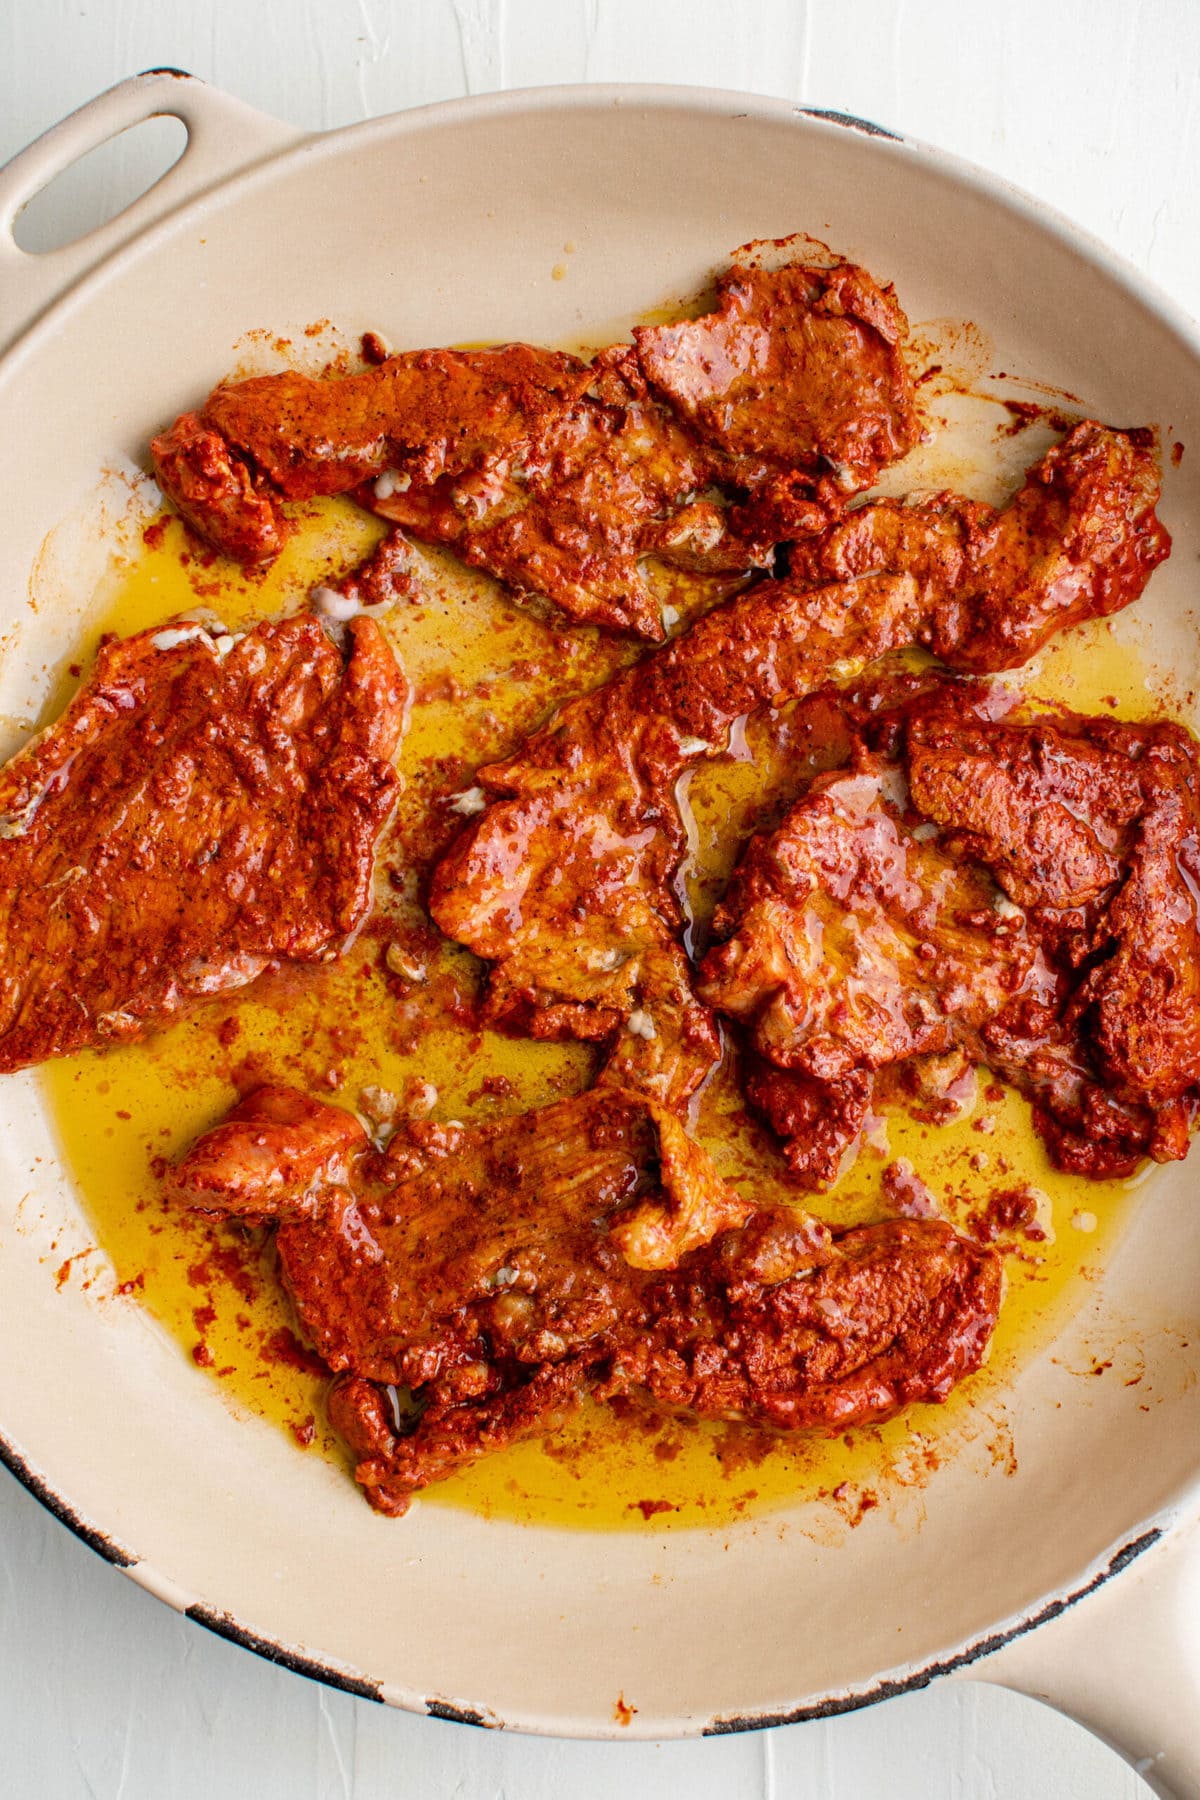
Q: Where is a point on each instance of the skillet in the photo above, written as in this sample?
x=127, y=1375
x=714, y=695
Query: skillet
x=446, y=225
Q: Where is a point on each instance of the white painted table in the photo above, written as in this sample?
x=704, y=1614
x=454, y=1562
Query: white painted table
x=1093, y=105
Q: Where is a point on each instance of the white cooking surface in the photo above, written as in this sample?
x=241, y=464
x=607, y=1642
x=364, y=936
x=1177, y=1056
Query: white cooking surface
x=1093, y=105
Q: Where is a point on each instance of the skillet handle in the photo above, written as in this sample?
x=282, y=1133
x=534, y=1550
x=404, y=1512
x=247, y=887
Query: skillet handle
x=223, y=136
x=1125, y=1661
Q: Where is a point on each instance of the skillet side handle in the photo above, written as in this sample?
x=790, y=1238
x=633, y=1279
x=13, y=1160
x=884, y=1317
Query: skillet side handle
x=224, y=136
x=1125, y=1661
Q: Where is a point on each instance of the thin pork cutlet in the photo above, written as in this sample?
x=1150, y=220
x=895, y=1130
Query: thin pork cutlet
x=207, y=804
x=497, y=1272
x=1080, y=539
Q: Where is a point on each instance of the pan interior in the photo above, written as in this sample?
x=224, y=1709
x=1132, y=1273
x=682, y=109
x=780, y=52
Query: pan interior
x=403, y=236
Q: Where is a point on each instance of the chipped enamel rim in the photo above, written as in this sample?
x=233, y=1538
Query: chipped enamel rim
x=889, y=1685
x=668, y=104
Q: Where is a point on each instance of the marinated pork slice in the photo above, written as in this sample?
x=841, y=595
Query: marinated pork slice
x=207, y=804
x=1046, y=802
x=605, y=487
x=1079, y=539
x=254, y=444
x=1018, y=885
x=750, y=1328
x=800, y=368
x=568, y=883
x=493, y=1274
x=852, y=943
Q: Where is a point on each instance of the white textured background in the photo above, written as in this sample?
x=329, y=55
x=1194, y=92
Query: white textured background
x=1092, y=106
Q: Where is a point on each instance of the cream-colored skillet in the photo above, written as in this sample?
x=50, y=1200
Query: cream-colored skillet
x=445, y=225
